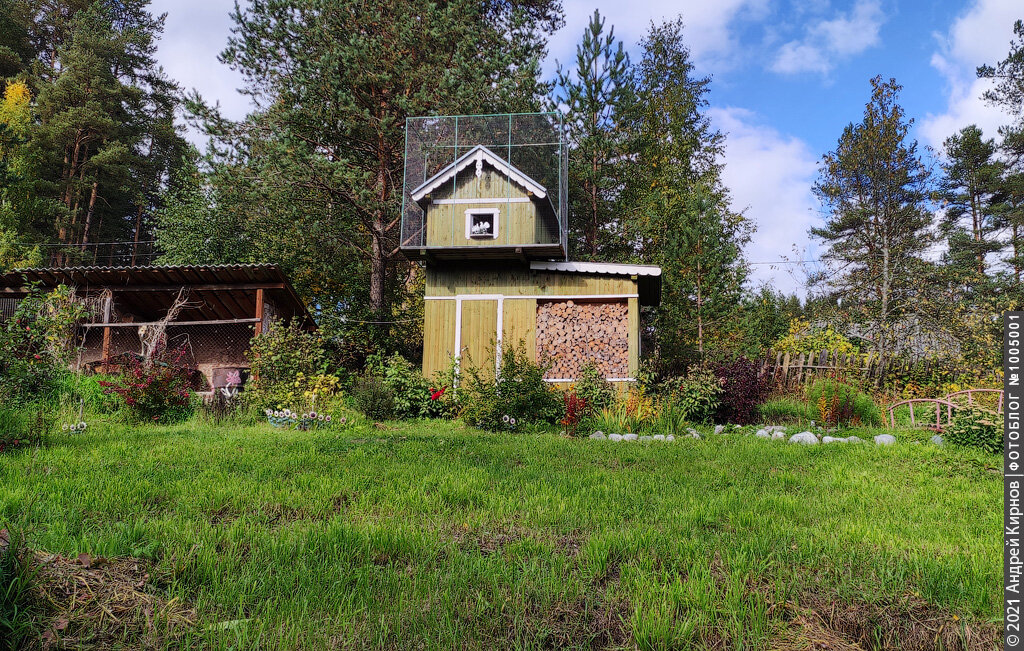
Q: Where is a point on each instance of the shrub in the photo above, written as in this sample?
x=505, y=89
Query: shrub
x=37, y=341
x=518, y=393
x=23, y=426
x=743, y=389
x=806, y=338
x=594, y=389
x=373, y=398
x=277, y=357
x=158, y=389
x=838, y=403
x=413, y=396
x=976, y=428
x=576, y=410
x=696, y=396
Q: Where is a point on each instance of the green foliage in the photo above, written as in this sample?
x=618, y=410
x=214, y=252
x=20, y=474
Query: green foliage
x=591, y=386
x=596, y=94
x=37, y=342
x=977, y=428
x=519, y=393
x=838, y=403
x=803, y=337
x=873, y=188
x=24, y=426
x=276, y=359
x=410, y=392
x=786, y=410
x=696, y=396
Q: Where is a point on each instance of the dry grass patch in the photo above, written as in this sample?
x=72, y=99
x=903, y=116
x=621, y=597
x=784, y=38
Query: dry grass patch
x=94, y=602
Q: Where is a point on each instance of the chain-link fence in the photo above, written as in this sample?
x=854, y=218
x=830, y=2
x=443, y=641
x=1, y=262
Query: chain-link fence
x=215, y=350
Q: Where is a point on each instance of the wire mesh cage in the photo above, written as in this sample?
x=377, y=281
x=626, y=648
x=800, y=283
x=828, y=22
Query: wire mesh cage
x=447, y=163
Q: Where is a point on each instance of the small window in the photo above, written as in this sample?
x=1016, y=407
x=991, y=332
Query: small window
x=482, y=223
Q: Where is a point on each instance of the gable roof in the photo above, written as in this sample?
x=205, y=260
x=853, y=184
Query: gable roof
x=479, y=155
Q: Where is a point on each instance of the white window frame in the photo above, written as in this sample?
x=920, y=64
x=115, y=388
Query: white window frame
x=476, y=212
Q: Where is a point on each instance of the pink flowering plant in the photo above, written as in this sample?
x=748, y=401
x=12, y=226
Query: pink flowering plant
x=159, y=389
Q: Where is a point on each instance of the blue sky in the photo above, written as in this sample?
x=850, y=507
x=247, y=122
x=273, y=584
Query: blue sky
x=787, y=76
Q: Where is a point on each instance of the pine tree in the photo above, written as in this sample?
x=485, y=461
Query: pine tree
x=873, y=187
x=970, y=189
x=596, y=96
x=678, y=210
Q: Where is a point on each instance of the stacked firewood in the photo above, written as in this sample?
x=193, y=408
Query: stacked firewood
x=570, y=335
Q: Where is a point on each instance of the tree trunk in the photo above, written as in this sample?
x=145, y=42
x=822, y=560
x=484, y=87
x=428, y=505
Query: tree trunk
x=89, y=213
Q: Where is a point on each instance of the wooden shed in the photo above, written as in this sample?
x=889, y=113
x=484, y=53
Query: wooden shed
x=227, y=305
x=493, y=240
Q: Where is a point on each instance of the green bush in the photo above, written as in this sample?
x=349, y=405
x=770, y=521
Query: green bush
x=519, y=395
x=696, y=396
x=373, y=398
x=36, y=343
x=277, y=358
x=410, y=392
x=976, y=428
x=24, y=426
x=836, y=403
x=594, y=389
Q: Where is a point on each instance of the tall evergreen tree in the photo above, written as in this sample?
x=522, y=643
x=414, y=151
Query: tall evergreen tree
x=102, y=142
x=970, y=191
x=679, y=215
x=873, y=187
x=596, y=96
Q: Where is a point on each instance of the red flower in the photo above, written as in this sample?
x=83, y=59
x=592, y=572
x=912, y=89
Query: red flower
x=437, y=393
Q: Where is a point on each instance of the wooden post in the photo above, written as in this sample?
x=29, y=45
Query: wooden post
x=259, y=312
x=258, y=329
x=106, y=330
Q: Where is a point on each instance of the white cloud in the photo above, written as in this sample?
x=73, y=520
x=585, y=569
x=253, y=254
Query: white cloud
x=827, y=41
x=769, y=174
x=981, y=35
x=794, y=57
x=709, y=26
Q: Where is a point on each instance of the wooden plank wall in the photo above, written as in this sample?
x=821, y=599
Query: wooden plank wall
x=519, y=315
x=517, y=222
x=438, y=336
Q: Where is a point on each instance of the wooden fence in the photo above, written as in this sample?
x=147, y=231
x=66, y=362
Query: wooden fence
x=790, y=370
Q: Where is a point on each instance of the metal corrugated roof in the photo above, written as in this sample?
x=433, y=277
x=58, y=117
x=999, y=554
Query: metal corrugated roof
x=648, y=276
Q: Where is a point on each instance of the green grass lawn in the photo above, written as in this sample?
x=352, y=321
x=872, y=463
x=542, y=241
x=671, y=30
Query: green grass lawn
x=430, y=535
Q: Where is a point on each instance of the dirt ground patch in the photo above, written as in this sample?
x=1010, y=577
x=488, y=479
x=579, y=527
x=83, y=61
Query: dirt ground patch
x=819, y=622
x=94, y=602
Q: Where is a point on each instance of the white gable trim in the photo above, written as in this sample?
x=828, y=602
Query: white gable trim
x=479, y=155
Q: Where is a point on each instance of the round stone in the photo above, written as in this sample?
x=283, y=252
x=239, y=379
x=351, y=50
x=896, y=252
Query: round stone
x=598, y=436
x=658, y=437
x=885, y=439
x=629, y=437
x=645, y=438
x=763, y=434
x=937, y=440
x=615, y=437
x=804, y=437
